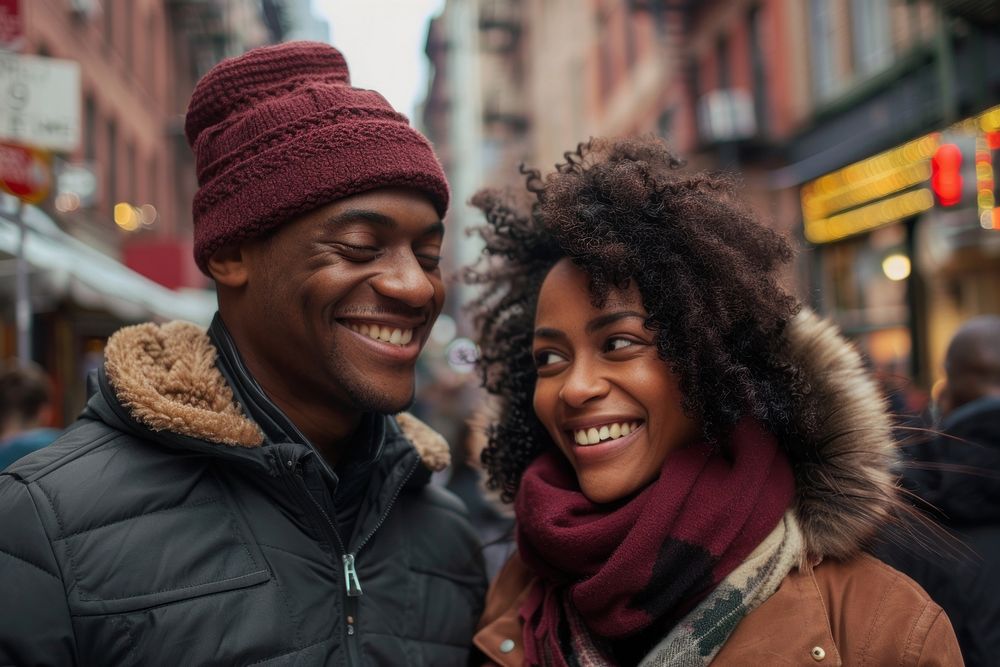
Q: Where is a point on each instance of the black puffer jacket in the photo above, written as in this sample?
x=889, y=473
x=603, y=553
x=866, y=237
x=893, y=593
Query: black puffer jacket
x=174, y=532
x=958, y=473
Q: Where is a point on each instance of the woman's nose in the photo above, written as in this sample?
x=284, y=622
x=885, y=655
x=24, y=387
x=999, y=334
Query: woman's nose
x=583, y=384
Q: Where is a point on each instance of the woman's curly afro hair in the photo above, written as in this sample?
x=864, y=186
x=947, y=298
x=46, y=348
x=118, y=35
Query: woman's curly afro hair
x=623, y=210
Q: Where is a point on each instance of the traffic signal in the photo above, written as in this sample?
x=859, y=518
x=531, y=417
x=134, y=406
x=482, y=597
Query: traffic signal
x=953, y=170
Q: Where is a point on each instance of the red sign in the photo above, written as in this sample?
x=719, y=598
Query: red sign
x=26, y=173
x=946, y=174
x=11, y=25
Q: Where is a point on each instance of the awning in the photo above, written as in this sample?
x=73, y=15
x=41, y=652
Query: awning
x=70, y=268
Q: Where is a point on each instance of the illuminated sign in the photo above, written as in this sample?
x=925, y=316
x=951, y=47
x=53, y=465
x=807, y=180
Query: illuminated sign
x=946, y=174
x=905, y=181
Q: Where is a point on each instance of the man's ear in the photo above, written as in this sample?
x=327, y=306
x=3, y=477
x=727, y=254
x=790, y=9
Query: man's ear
x=228, y=267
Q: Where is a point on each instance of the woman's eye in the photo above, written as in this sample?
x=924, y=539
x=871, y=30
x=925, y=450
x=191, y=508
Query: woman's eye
x=619, y=343
x=547, y=358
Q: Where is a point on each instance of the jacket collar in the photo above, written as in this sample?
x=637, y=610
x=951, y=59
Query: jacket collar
x=845, y=487
x=247, y=393
x=168, y=379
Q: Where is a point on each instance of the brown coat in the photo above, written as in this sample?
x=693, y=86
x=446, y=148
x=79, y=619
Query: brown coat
x=850, y=609
x=855, y=614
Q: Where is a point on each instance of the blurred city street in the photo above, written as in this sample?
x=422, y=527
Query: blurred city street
x=867, y=131
x=227, y=359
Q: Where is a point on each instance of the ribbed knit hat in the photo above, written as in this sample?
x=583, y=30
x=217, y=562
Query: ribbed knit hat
x=279, y=132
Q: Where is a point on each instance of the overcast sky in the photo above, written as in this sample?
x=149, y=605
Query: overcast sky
x=383, y=41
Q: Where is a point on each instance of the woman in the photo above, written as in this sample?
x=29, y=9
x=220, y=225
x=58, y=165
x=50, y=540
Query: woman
x=695, y=461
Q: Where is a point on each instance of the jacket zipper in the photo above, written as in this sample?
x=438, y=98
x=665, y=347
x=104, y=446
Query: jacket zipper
x=352, y=583
x=349, y=606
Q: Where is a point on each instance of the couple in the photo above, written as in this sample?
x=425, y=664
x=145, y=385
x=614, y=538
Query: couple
x=694, y=461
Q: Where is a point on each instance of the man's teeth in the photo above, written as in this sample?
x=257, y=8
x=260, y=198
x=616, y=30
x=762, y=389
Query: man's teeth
x=596, y=434
x=384, y=334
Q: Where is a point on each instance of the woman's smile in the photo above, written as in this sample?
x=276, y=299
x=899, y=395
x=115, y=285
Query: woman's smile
x=606, y=398
x=612, y=446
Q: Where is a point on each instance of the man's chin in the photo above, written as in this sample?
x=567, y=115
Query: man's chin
x=402, y=406
x=390, y=403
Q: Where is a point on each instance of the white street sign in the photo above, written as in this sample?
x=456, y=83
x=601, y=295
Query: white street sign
x=40, y=102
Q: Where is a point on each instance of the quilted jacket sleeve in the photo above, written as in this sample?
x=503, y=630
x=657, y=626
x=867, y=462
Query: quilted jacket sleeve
x=35, y=625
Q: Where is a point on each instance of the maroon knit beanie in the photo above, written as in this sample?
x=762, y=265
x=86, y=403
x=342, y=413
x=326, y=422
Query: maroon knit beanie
x=279, y=132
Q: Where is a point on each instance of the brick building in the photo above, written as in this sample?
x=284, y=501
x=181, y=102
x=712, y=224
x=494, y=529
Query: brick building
x=792, y=95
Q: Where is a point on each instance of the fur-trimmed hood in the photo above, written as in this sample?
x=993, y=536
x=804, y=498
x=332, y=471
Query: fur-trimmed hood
x=166, y=377
x=845, y=488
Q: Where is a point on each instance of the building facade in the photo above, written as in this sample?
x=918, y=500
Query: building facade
x=792, y=96
x=892, y=83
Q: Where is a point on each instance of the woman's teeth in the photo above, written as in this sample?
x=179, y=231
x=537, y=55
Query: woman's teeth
x=384, y=334
x=596, y=434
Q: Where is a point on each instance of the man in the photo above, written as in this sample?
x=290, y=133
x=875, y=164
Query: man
x=958, y=475
x=25, y=404
x=240, y=496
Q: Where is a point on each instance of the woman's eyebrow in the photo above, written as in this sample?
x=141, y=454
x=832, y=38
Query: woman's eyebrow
x=602, y=321
x=548, y=333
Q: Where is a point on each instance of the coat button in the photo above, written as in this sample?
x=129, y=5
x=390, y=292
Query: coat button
x=818, y=653
x=506, y=646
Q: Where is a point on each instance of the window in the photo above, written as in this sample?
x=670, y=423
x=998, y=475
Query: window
x=109, y=23
x=604, y=55
x=722, y=62
x=131, y=188
x=630, y=40
x=112, y=188
x=822, y=30
x=89, y=128
x=872, y=43
x=153, y=181
x=129, y=37
x=665, y=123
x=149, y=50
x=758, y=69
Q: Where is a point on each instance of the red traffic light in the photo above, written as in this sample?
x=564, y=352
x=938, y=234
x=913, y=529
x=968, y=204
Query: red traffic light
x=946, y=174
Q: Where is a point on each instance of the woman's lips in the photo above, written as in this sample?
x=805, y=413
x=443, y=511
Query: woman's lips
x=607, y=449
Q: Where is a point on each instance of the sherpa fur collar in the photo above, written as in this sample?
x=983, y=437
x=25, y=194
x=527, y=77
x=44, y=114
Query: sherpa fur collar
x=165, y=375
x=844, y=486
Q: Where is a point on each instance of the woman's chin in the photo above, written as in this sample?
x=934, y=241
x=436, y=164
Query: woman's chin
x=603, y=489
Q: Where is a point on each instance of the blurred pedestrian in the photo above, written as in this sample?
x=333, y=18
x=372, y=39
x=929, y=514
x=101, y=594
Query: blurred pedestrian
x=957, y=475
x=243, y=495
x=493, y=521
x=25, y=408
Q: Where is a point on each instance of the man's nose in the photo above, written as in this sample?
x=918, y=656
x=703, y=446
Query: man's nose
x=405, y=280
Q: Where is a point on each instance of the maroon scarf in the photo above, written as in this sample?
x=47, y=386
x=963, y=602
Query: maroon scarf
x=625, y=566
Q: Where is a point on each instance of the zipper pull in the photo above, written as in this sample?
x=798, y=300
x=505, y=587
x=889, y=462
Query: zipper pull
x=351, y=580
